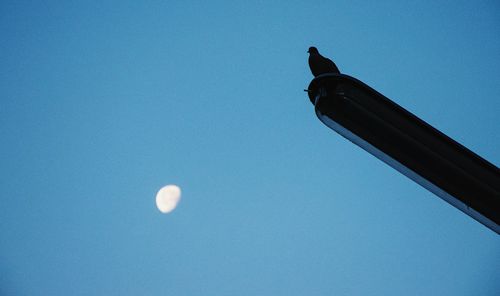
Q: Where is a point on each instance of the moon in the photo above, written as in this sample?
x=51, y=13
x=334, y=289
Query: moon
x=167, y=198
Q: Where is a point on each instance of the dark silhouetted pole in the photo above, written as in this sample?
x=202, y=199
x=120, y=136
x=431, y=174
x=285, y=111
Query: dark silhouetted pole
x=410, y=145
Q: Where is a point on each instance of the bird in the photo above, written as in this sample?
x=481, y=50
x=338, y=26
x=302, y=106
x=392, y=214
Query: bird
x=319, y=64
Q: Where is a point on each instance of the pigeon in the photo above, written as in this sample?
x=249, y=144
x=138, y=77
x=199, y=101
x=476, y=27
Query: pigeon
x=319, y=64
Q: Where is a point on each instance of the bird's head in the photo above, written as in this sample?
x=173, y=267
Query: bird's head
x=312, y=49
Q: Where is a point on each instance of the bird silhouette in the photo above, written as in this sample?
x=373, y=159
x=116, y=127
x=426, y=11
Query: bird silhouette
x=319, y=64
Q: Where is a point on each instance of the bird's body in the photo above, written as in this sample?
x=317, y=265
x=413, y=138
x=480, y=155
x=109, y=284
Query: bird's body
x=319, y=64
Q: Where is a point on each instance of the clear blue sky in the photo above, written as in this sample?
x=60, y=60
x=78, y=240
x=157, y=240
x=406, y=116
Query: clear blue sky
x=103, y=103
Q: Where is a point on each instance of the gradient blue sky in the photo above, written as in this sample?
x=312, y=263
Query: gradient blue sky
x=104, y=102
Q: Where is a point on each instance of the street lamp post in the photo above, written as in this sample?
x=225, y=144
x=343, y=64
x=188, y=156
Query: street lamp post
x=409, y=145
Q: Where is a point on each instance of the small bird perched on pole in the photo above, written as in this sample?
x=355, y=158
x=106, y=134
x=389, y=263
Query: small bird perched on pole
x=319, y=64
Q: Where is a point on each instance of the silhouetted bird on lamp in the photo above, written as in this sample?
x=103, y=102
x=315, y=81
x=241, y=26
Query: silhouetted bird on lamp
x=319, y=64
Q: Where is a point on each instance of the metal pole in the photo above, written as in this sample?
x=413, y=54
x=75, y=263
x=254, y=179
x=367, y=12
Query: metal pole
x=409, y=145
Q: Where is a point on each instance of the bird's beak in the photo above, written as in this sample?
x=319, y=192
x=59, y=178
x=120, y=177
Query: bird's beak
x=308, y=51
